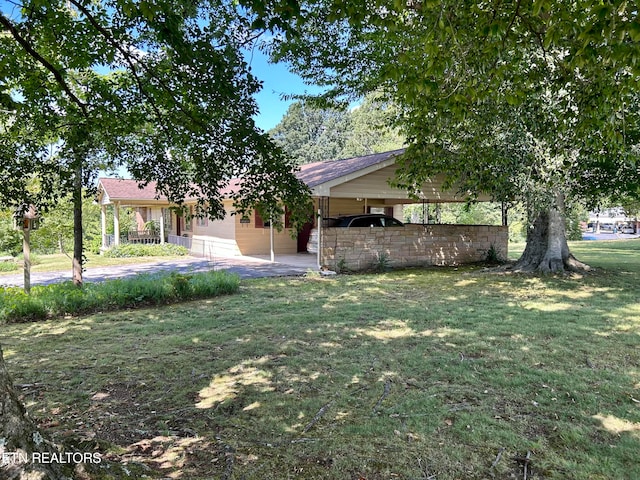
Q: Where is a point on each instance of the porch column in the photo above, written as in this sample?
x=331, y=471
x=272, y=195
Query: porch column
x=271, y=240
x=116, y=223
x=103, y=225
x=320, y=224
x=161, y=226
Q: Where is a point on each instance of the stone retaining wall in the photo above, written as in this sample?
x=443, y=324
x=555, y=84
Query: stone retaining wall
x=411, y=245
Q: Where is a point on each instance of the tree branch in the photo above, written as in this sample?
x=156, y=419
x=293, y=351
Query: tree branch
x=24, y=43
x=127, y=56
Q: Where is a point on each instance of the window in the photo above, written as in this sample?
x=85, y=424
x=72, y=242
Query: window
x=260, y=222
x=168, y=219
x=202, y=220
x=366, y=222
x=391, y=222
x=188, y=220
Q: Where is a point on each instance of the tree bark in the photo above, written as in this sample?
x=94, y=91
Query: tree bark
x=19, y=438
x=78, y=258
x=547, y=250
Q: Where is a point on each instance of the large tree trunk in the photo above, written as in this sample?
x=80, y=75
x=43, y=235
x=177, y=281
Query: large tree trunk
x=20, y=438
x=547, y=250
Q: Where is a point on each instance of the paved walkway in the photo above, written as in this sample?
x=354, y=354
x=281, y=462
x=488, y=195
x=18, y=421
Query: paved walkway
x=246, y=267
x=609, y=236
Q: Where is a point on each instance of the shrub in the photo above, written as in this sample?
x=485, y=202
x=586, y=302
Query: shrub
x=35, y=259
x=67, y=299
x=382, y=263
x=493, y=255
x=145, y=250
x=341, y=266
x=181, y=285
x=10, y=239
x=8, y=266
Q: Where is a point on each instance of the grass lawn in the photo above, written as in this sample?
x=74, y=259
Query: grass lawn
x=61, y=262
x=417, y=374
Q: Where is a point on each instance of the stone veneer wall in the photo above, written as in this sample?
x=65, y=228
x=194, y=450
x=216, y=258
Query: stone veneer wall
x=411, y=245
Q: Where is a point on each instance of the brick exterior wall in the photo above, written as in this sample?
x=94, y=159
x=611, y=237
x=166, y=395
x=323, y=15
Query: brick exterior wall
x=411, y=245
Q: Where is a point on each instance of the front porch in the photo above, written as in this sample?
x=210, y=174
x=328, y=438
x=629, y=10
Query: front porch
x=135, y=236
x=150, y=220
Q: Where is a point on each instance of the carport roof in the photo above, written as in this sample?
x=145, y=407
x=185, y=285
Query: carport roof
x=318, y=173
x=312, y=174
x=366, y=176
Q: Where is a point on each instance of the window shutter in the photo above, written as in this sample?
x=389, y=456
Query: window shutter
x=259, y=221
x=287, y=218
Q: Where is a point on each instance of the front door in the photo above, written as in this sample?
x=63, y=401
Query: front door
x=303, y=236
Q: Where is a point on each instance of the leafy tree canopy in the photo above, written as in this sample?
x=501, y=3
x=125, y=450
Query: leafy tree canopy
x=157, y=86
x=490, y=92
x=523, y=100
x=310, y=133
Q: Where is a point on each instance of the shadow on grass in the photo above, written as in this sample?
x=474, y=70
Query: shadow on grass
x=418, y=374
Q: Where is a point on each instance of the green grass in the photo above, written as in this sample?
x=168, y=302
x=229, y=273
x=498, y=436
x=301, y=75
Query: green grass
x=8, y=267
x=437, y=373
x=61, y=299
x=60, y=262
x=132, y=250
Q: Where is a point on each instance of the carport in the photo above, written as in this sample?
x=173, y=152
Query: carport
x=362, y=185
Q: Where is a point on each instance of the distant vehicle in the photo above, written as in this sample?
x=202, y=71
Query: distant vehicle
x=353, y=221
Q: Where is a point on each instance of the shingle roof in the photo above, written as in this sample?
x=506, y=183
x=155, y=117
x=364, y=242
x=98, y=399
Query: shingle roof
x=126, y=189
x=314, y=174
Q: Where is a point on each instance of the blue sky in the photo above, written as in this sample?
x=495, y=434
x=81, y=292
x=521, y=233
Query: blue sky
x=277, y=80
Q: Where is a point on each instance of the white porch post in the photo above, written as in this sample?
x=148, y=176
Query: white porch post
x=319, y=227
x=161, y=226
x=103, y=225
x=116, y=223
x=271, y=239
x=398, y=211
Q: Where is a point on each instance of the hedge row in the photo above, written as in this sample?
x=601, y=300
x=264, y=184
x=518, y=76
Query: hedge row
x=145, y=250
x=143, y=290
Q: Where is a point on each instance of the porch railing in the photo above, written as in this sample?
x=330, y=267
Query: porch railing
x=141, y=236
x=182, y=241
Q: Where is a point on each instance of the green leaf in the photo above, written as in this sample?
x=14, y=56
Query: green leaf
x=634, y=31
x=147, y=10
x=537, y=7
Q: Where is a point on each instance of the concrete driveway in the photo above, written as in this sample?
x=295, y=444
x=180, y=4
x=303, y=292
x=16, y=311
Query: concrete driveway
x=246, y=267
x=609, y=236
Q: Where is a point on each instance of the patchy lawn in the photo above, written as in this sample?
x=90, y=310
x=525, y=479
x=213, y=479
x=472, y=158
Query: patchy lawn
x=418, y=374
x=61, y=262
